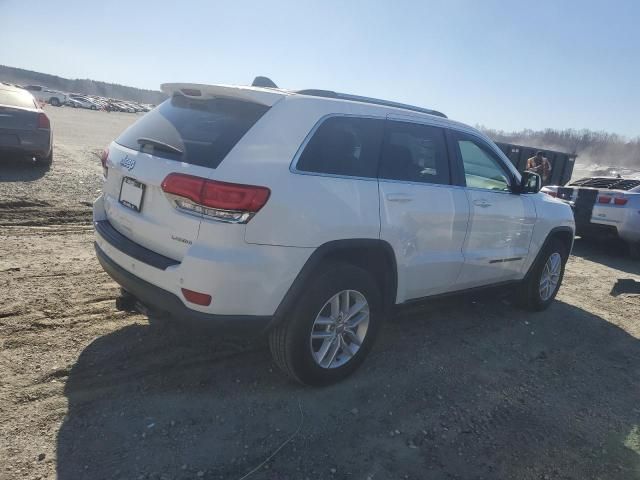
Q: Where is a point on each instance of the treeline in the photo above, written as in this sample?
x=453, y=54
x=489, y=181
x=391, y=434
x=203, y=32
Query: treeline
x=83, y=86
x=601, y=148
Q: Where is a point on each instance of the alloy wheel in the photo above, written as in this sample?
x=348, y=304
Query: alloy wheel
x=339, y=329
x=550, y=276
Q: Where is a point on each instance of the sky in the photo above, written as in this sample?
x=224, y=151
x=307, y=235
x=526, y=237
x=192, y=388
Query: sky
x=504, y=64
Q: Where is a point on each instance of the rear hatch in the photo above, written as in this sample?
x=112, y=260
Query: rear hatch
x=190, y=134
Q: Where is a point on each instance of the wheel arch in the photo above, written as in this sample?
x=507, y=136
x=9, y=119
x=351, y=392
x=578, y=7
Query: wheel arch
x=373, y=255
x=564, y=234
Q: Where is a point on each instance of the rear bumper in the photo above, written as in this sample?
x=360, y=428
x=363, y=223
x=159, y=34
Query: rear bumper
x=627, y=229
x=165, y=302
x=247, y=282
x=27, y=142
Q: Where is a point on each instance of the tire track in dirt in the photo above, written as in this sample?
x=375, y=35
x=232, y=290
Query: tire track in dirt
x=40, y=214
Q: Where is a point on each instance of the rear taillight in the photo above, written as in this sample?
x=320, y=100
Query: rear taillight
x=225, y=202
x=605, y=199
x=43, y=121
x=197, y=297
x=103, y=159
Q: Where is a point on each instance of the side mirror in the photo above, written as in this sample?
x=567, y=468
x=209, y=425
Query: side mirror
x=531, y=183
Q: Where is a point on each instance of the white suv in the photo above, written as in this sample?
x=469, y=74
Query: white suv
x=47, y=95
x=313, y=215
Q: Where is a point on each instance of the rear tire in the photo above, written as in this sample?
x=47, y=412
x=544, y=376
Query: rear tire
x=634, y=250
x=45, y=161
x=540, y=287
x=93, y=107
x=297, y=344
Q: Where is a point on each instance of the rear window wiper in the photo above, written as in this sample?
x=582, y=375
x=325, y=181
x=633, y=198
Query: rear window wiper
x=158, y=145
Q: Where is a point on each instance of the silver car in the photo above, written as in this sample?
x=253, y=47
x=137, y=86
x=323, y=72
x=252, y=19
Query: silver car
x=604, y=206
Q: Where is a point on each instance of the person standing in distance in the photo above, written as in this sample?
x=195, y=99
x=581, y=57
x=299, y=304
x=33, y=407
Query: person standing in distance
x=540, y=165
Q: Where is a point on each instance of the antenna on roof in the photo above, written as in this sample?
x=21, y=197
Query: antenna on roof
x=263, y=82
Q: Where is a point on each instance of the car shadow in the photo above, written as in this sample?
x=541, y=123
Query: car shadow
x=20, y=169
x=612, y=253
x=463, y=388
x=625, y=285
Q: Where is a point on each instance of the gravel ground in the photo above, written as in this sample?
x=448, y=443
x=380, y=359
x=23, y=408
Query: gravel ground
x=467, y=388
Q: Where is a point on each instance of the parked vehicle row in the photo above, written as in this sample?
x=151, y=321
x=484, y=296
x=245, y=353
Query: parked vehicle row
x=313, y=215
x=91, y=102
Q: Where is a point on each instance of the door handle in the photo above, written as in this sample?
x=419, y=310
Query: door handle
x=481, y=203
x=399, y=197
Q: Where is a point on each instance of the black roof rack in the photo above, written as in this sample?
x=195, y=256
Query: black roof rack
x=376, y=101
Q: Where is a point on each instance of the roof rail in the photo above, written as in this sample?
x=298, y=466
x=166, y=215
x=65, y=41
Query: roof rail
x=375, y=101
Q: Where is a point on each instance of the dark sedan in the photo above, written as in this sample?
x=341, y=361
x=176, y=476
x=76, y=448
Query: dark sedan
x=24, y=127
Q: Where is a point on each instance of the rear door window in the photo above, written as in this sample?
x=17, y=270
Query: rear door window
x=414, y=153
x=199, y=132
x=348, y=146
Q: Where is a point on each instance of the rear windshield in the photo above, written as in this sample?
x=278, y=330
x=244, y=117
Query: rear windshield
x=16, y=98
x=199, y=132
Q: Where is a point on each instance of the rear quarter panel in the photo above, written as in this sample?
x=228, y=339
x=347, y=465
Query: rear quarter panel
x=629, y=228
x=304, y=210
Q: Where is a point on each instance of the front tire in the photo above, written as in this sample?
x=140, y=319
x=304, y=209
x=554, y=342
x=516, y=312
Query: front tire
x=331, y=328
x=55, y=102
x=541, y=286
x=93, y=107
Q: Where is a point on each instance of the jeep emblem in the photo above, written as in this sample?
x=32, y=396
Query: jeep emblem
x=128, y=163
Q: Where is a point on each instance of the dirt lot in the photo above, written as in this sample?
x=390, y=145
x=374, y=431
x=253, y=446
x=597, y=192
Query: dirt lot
x=467, y=389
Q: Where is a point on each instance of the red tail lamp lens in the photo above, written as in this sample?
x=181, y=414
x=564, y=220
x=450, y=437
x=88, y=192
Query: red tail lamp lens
x=197, y=297
x=222, y=200
x=43, y=121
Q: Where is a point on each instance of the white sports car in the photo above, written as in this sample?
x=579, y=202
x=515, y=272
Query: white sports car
x=604, y=206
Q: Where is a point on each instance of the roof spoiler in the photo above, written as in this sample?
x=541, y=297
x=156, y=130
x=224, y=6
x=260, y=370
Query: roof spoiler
x=263, y=96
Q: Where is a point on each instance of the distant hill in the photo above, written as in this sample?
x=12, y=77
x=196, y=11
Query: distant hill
x=83, y=86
